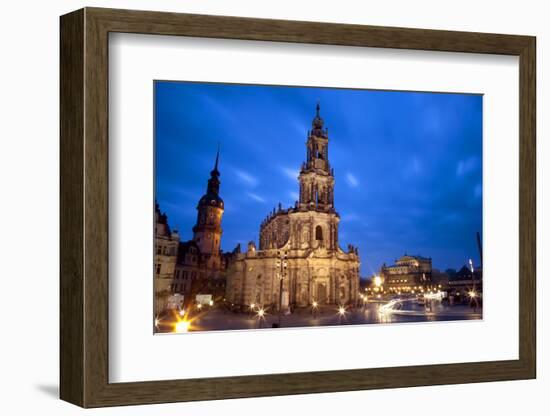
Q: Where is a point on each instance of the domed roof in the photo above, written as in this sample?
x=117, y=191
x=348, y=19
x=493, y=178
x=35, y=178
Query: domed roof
x=211, y=199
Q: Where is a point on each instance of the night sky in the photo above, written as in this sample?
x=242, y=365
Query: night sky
x=407, y=165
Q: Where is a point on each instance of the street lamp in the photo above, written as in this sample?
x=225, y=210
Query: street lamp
x=260, y=314
x=472, y=293
x=314, y=307
x=281, y=265
x=182, y=326
x=341, y=313
x=251, y=308
x=473, y=297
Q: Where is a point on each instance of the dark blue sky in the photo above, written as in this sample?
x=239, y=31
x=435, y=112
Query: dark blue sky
x=407, y=165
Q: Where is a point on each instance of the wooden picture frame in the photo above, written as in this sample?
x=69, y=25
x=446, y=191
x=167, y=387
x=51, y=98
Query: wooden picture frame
x=84, y=207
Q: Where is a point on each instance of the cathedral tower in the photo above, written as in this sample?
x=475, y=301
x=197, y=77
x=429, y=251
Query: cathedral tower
x=316, y=176
x=208, y=231
x=317, y=270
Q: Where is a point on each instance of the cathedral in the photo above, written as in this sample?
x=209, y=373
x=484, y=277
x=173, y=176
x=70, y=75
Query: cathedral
x=299, y=260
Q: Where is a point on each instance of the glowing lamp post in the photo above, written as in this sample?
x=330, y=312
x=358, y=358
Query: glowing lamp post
x=473, y=298
x=472, y=294
x=378, y=282
x=341, y=314
x=260, y=315
x=281, y=265
x=314, y=308
x=182, y=326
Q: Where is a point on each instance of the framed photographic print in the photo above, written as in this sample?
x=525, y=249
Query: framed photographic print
x=257, y=207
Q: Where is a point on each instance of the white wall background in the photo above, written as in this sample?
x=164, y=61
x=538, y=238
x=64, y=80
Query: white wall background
x=29, y=159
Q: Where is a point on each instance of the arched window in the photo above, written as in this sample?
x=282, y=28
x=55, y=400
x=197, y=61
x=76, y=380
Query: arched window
x=318, y=233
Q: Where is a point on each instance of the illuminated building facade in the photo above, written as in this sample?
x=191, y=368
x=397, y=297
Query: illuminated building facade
x=298, y=246
x=166, y=251
x=200, y=266
x=409, y=273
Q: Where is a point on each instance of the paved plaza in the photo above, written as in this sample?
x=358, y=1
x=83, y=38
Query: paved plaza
x=395, y=311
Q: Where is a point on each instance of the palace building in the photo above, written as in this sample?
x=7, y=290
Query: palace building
x=408, y=273
x=299, y=260
x=166, y=250
x=199, y=264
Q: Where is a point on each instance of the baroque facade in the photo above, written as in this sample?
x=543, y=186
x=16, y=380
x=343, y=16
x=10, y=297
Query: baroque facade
x=166, y=251
x=299, y=260
x=408, y=273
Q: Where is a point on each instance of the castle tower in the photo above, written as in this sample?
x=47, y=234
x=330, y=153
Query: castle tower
x=207, y=231
x=316, y=176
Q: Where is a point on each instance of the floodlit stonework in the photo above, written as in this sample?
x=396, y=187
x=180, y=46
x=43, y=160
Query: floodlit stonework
x=298, y=246
x=166, y=250
x=408, y=273
x=200, y=265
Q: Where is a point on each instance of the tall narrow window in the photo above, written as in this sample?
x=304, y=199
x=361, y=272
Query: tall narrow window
x=318, y=233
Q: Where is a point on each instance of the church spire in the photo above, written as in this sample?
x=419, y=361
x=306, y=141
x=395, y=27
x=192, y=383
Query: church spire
x=215, y=171
x=217, y=158
x=214, y=181
x=316, y=175
x=317, y=123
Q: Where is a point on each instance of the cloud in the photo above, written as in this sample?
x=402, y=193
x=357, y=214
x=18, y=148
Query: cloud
x=352, y=180
x=246, y=178
x=290, y=173
x=256, y=197
x=466, y=166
